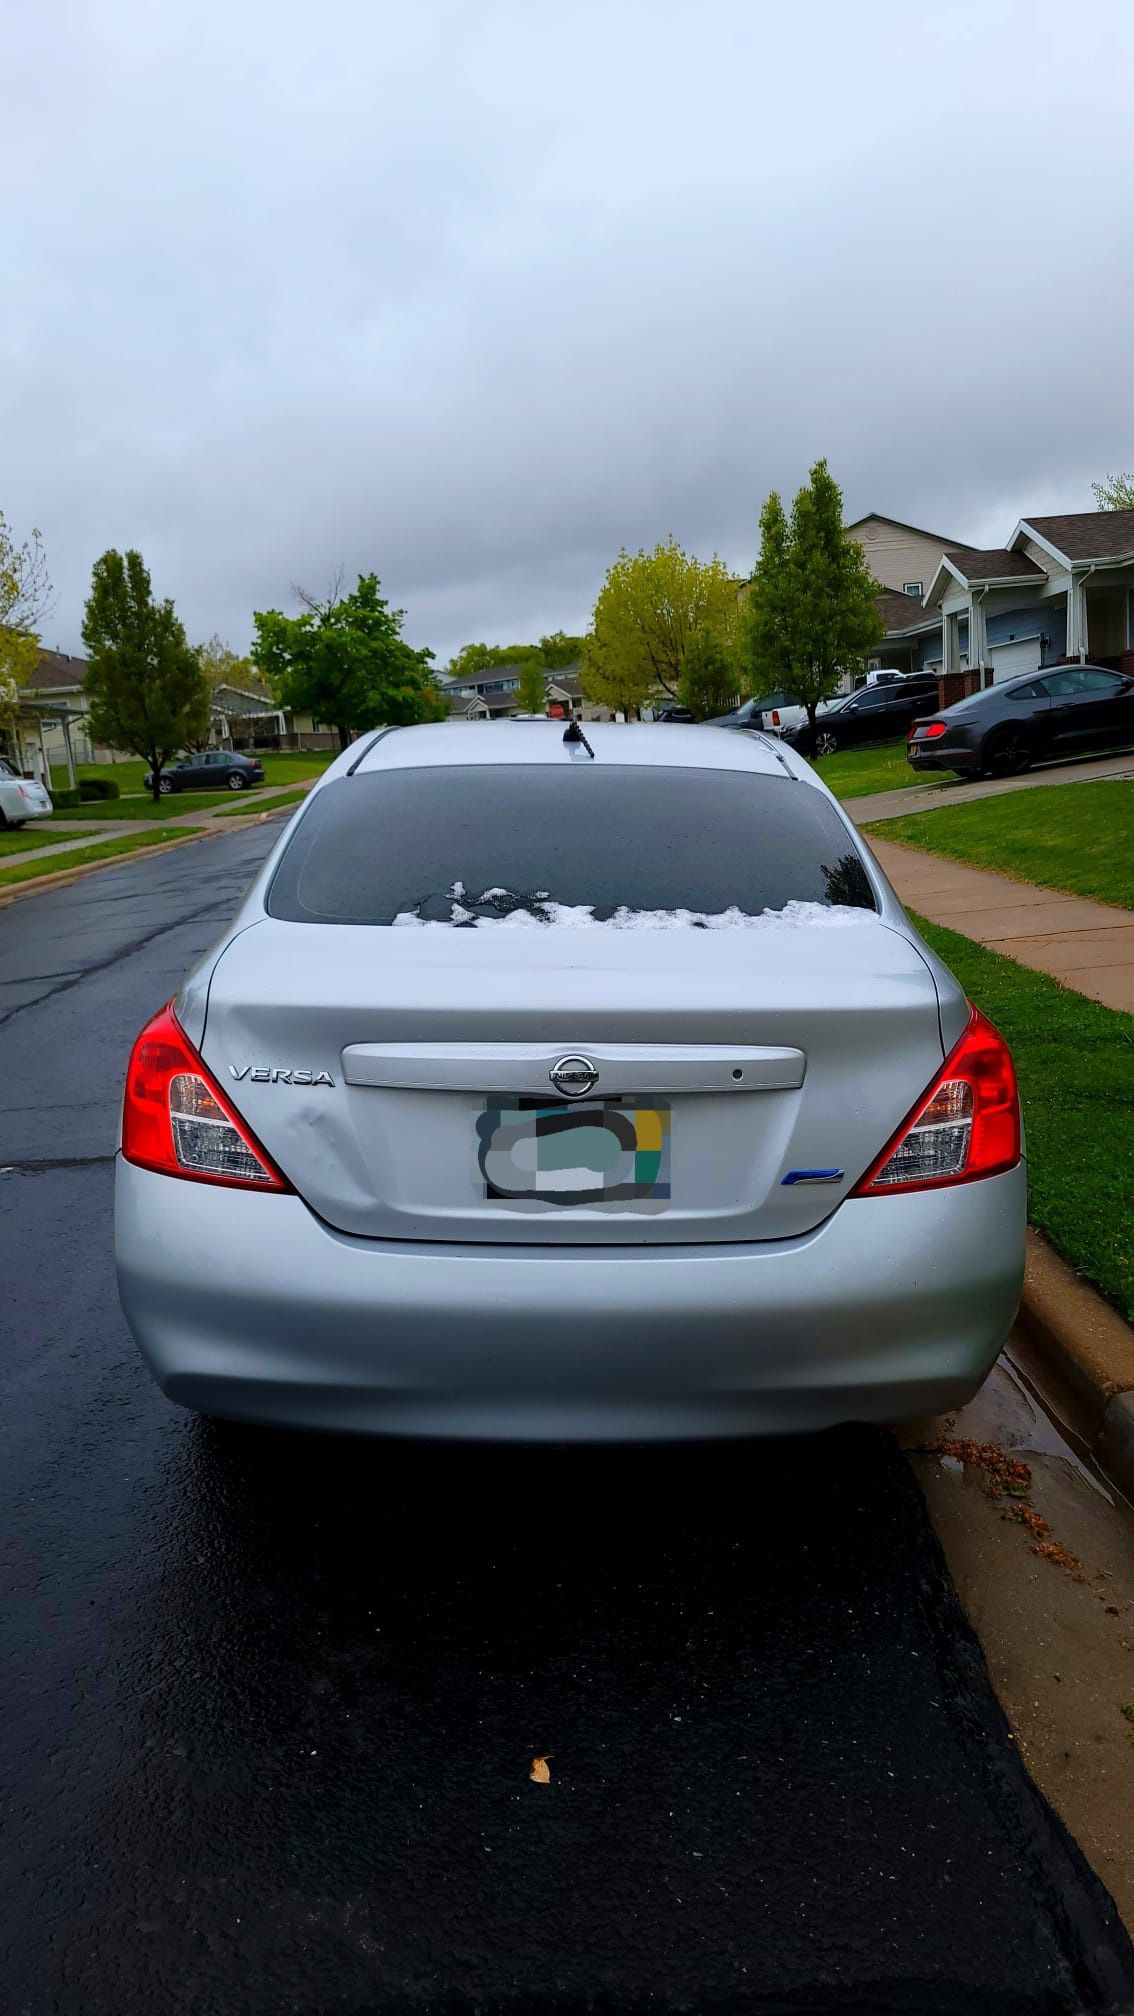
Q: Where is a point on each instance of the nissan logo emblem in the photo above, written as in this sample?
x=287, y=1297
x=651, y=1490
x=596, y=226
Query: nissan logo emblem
x=573, y=1076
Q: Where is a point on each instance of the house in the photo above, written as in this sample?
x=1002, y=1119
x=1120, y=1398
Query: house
x=51, y=718
x=1060, y=591
x=494, y=693
x=902, y=558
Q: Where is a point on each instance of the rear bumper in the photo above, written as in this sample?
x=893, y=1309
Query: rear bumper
x=249, y=1307
x=932, y=757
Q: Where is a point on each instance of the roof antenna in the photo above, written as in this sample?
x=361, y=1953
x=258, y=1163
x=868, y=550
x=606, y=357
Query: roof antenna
x=573, y=733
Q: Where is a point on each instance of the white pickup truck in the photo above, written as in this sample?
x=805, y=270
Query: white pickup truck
x=21, y=798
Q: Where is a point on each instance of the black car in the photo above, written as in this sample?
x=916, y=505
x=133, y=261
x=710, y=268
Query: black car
x=1068, y=710
x=674, y=712
x=209, y=770
x=880, y=713
x=751, y=713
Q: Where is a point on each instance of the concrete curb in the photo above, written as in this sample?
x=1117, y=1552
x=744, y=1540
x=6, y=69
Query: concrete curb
x=63, y=876
x=1090, y=1346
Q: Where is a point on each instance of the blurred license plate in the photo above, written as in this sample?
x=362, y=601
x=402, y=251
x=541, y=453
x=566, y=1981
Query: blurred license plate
x=603, y=1151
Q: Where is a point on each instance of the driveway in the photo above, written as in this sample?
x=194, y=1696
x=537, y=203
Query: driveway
x=269, y=1703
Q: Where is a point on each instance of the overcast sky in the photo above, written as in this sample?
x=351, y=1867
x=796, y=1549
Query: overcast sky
x=473, y=295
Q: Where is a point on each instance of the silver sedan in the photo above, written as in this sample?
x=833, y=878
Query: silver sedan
x=551, y=1087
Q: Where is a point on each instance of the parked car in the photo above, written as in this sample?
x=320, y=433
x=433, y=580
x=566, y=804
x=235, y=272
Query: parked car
x=674, y=712
x=563, y=1089
x=873, y=714
x=209, y=770
x=1069, y=710
x=21, y=798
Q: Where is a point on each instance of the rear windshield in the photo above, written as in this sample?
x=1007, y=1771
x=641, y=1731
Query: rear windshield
x=593, y=843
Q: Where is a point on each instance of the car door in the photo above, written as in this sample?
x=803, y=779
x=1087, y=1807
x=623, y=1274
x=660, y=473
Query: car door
x=864, y=717
x=1084, y=708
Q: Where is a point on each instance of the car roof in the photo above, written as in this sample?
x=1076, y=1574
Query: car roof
x=670, y=745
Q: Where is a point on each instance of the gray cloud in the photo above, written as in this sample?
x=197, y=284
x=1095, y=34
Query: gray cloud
x=476, y=295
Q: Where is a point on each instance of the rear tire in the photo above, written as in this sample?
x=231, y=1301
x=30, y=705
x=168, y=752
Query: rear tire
x=1009, y=754
x=825, y=742
x=237, y=782
x=165, y=786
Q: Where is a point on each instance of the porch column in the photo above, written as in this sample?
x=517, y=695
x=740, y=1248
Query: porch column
x=950, y=649
x=45, y=777
x=1077, y=618
x=68, y=752
x=978, y=633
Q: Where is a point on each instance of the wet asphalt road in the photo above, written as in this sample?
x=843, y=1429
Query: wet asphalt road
x=268, y=1703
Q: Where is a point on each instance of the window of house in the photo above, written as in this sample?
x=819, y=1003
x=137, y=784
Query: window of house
x=911, y=588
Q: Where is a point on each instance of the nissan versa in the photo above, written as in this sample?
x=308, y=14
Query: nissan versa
x=557, y=1087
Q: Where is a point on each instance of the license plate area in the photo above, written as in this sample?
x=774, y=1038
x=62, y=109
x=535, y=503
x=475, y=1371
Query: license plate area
x=598, y=1151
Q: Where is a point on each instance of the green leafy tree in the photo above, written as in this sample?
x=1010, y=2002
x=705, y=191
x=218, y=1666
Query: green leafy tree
x=25, y=598
x=811, y=613
x=710, y=676
x=224, y=667
x=1116, y=494
x=144, y=682
x=344, y=660
x=649, y=607
x=532, y=691
x=559, y=650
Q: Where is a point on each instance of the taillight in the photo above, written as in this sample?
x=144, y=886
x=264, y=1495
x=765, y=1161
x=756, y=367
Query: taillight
x=928, y=731
x=966, y=1125
x=775, y=717
x=177, y=1121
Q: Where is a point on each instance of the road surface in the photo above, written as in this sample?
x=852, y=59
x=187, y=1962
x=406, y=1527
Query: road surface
x=269, y=1703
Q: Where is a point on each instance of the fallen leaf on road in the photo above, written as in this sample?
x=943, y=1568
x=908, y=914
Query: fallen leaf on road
x=539, y=1773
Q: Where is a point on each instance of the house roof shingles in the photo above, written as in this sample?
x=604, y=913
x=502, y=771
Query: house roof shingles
x=55, y=671
x=902, y=612
x=994, y=563
x=1088, y=535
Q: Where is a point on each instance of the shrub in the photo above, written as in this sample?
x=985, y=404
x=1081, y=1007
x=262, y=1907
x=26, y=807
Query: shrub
x=63, y=799
x=98, y=787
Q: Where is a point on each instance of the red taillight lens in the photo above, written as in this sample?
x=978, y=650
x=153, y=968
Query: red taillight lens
x=930, y=730
x=775, y=717
x=177, y=1121
x=966, y=1125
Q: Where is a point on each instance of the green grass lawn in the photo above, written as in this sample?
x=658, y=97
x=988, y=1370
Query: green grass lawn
x=143, y=807
x=1078, y=837
x=1075, y=1062
x=102, y=850
x=856, y=773
x=287, y=768
x=243, y=806
x=36, y=835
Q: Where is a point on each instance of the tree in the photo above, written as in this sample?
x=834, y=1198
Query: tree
x=532, y=694
x=344, y=660
x=710, y=675
x=1116, y=494
x=811, y=611
x=649, y=607
x=222, y=667
x=25, y=598
x=144, y=681
x=559, y=650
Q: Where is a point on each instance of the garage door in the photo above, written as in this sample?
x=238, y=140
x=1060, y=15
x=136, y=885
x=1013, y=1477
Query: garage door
x=1007, y=660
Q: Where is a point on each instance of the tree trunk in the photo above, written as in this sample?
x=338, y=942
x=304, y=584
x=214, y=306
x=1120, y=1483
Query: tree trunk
x=155, y=778
x=344, y=737
x=810, y=706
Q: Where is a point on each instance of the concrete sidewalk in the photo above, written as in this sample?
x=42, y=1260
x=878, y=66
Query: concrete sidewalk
x=88, y=832
x=927, y=797
x=1088, y=946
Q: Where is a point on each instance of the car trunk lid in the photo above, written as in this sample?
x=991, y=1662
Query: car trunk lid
x=406, y=1081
